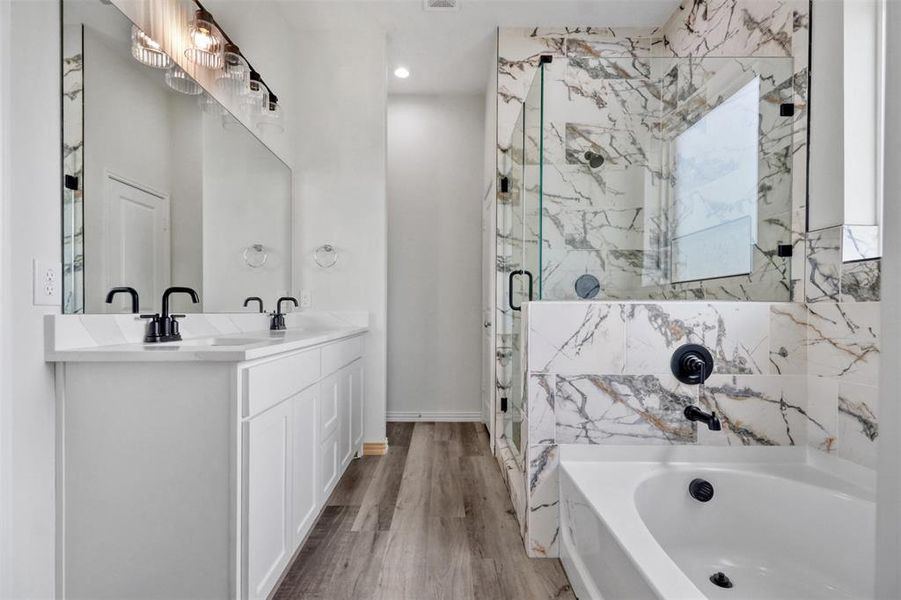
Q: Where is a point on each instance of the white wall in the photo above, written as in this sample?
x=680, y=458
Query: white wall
x=434, y=256
x=340, y=186
x=31, y=229
x=888, y=506
x=843, y=145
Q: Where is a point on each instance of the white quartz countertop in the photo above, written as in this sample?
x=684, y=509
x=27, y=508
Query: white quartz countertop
x=212, y=339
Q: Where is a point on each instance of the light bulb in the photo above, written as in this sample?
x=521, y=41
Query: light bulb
x=401, y=72
x=206, y=41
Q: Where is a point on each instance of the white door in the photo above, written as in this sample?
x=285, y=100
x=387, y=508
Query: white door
x=136, y=240
x=489, y=276
x=268, y=481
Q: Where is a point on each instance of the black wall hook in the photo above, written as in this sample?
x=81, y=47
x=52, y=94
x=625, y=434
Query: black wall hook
x=692, y=364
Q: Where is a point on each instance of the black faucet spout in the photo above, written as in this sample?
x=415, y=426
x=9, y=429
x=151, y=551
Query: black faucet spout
x=250, y=299
x=164, y=327
x=278, y=317
x=693, y=413
x=177, y=290
x=135, y=303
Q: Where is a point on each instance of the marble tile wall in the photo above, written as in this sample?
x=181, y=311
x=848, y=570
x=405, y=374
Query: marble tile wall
x=843, y=318
x=607, y=95
x=786, y=374
x=599, y=373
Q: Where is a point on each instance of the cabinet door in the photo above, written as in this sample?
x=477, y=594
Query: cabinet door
x=356, y=404
x=328, y=467
x=344, y=434
x=329, y=425
x=329, y=405
x=267, y=481
x=305, y=443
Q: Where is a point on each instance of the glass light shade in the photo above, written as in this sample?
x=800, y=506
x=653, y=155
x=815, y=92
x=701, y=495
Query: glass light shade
x=181, y=82
x=234, y=78
x=211, y=106
x=271, y=121
x=146, y=51
x=256, y=100
x=206, y=42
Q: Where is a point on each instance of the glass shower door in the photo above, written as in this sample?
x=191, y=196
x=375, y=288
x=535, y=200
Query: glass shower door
x=524, y=278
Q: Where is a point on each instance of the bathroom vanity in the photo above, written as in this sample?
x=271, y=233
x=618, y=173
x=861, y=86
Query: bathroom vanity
x=195, y=469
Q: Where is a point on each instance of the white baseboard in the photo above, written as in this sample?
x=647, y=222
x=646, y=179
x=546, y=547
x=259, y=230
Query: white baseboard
x=444, y=416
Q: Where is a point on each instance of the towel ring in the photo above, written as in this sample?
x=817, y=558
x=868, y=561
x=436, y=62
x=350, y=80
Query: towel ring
x=326, y=256
x=255, y=256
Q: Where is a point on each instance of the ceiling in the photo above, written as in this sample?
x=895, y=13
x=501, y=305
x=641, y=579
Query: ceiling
x=451, y=52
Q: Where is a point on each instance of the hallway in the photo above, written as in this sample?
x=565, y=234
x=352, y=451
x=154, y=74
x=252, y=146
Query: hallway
x=430, y=520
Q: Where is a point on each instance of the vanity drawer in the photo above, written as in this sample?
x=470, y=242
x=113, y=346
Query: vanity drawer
x=335, y=356
x=272, y=382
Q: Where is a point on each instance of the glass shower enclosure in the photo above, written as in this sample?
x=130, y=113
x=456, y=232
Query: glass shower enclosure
x=653, y=178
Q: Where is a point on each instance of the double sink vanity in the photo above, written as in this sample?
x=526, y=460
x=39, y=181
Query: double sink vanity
x=196, y=468
x=197, y=442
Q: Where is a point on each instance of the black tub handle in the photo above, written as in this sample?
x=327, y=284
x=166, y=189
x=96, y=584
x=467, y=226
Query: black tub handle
x=513, y=274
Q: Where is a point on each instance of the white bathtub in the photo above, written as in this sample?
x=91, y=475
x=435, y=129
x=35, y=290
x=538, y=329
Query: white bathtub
x=777, y=529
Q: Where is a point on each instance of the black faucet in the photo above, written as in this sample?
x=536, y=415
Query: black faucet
x=693, y=413
x=164, y=327
x=278, y=317
x=254, y=299
x=125, y=290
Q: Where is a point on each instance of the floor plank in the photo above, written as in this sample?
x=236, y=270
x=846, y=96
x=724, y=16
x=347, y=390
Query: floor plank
x=432, y=519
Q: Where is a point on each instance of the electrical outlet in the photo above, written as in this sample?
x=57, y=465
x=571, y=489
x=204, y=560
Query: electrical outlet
x=306, y=299
x=47, y=283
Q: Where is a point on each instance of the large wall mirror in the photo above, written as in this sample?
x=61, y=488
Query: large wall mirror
x=163, y=186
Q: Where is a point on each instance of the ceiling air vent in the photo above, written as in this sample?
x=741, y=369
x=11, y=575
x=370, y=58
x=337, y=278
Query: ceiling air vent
x=441, y=5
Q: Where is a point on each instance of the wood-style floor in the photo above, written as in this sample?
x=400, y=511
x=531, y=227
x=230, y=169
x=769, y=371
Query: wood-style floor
x=430, y=520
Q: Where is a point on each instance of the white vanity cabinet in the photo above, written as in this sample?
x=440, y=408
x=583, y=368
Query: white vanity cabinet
x=199, y=478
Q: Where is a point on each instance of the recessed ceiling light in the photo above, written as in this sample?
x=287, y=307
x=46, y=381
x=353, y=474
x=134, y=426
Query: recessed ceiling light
x=401, y=72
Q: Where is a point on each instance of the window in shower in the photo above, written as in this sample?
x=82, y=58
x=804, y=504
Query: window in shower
x=714, y=207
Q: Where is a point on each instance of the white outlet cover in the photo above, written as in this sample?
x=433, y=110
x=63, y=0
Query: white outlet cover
x=306, y=299
x=48, y=283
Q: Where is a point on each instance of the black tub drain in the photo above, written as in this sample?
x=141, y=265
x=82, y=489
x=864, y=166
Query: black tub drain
x=720, y=579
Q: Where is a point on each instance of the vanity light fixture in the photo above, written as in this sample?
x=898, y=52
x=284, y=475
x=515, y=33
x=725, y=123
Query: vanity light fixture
x=271, y=120
x=181, y=82
x=206, y=41
x=146, y=51
x=234, y=78
x=256, y=100
x=401, y=72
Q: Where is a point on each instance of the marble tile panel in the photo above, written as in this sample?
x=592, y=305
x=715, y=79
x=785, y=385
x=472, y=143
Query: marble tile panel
x=822, y=410
x=623, y=409
x=756, y=410
x=729, y=28
x=823, y=269
x=788, y=338
x=843, y=341
x=858, y=423
x=861, y=281
x=735, y=333
x=542, y=420
x=543, y=515
x=576, y=338
x=860, y=242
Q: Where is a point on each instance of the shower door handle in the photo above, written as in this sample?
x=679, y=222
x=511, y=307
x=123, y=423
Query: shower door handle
x=513, y=275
